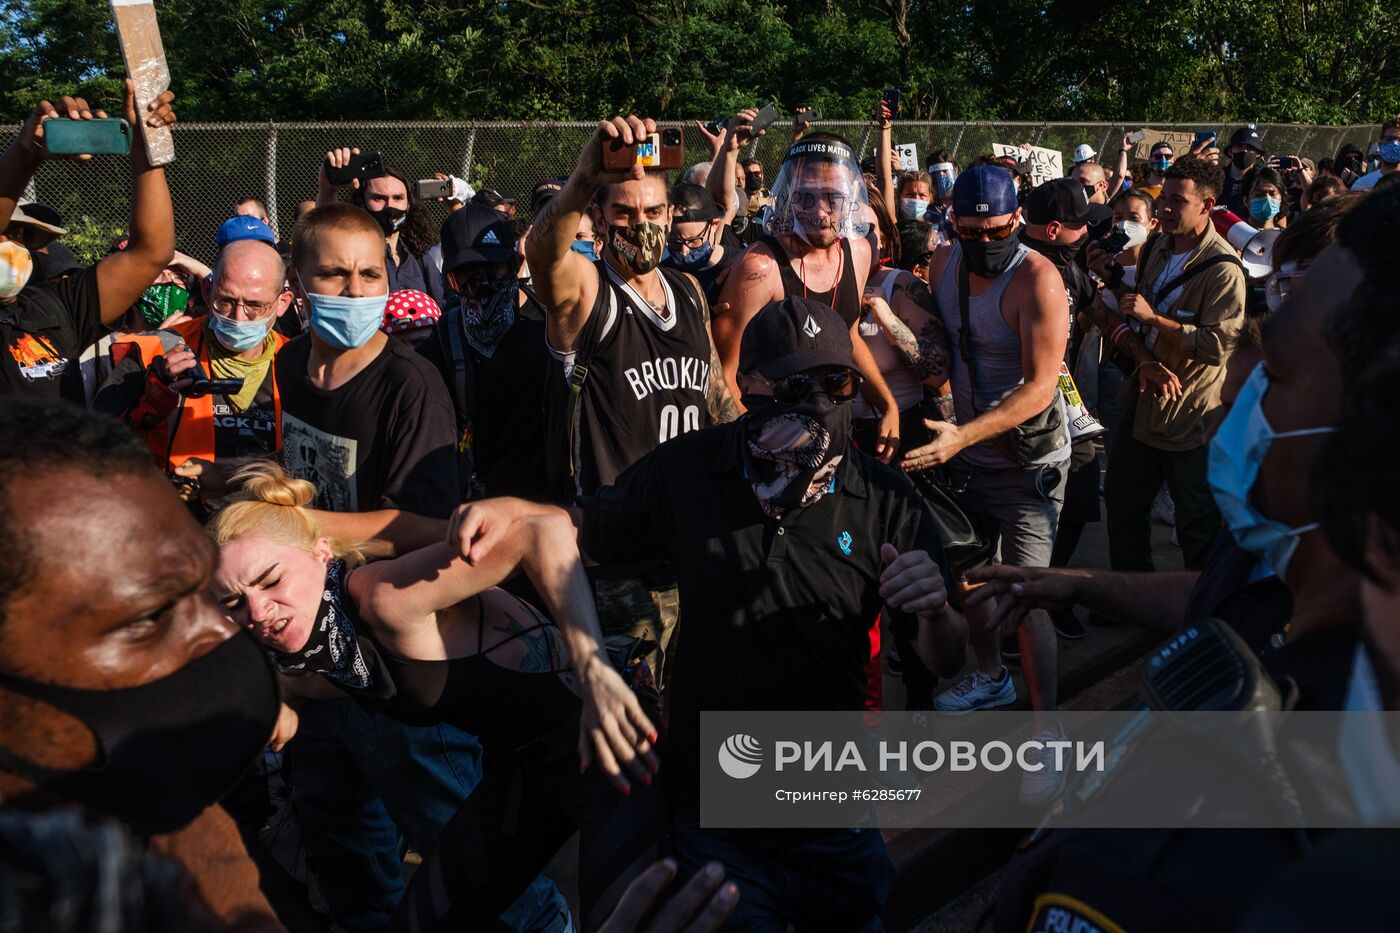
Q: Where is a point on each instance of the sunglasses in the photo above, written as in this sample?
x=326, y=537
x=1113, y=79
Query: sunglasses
x=991, y=233
x=839, y=386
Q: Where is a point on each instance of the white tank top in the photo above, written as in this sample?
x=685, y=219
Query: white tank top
x=908, y=391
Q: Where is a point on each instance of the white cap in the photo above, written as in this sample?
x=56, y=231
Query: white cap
x=1083, y=153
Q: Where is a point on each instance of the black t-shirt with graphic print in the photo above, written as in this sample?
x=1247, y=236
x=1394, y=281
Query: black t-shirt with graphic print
x=43, y=332
x=385, y=440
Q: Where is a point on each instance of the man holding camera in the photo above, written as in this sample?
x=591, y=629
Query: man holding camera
x=161, y=384
x=636, y=363
x=45, y=328
x=1187, y=309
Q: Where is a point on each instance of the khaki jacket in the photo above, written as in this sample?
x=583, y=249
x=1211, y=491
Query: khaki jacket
x=1210, y=311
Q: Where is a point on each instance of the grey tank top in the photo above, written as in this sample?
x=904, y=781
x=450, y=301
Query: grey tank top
x=997, y=349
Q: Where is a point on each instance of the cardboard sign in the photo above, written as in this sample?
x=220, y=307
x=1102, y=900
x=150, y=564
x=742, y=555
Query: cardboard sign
x=908, y=157
x=1180, y=143
x=138, y=33
x=1045, y=164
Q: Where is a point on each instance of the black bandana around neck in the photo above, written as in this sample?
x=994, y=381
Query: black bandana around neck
x=486, y=319
x=333, y=648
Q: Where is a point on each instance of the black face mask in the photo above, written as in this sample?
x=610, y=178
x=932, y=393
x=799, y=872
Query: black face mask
x=390, y=219
x=167, y=749
x=1243, y=160
x=753, y=183
x=990, y=258
x=1061, y=254
x=791, y=451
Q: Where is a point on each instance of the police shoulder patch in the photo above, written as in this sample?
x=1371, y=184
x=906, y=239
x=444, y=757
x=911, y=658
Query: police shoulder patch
x=1060, y=913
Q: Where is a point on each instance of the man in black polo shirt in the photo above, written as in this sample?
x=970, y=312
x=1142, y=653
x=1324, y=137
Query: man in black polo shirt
x=786, y=542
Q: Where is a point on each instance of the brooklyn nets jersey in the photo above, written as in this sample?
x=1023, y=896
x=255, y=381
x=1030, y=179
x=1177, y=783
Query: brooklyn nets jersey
x=647, y=375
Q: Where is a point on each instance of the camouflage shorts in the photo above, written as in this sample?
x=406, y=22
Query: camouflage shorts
x=628, y=606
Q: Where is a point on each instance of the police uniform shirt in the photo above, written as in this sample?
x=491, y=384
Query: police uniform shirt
x=43, y=332
x=776, y=613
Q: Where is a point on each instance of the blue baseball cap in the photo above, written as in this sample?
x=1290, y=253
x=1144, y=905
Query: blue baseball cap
x=984, y=191
x=244, y=228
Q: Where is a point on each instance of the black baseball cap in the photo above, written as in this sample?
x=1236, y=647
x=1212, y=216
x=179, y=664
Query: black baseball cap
x=793, y=335
x=692, y=203
x=476, y=234
x=58, y=260
x=488, y=197
x=544, y=190
x=1248, y=136
x=1066, y=201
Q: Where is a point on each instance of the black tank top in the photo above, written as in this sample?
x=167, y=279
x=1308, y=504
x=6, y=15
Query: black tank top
x=647, y=376
x=846, y=298
x=503, y=707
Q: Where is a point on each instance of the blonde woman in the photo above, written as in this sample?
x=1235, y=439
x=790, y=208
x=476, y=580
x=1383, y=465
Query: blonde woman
x=428, y=638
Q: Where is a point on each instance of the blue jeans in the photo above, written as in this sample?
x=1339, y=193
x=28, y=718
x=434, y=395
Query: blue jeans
x=357, y=780
x=813, y=880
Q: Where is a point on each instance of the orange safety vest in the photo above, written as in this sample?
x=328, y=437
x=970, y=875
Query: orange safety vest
x=189, y=431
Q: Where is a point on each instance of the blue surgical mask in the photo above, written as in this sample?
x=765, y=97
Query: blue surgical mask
x=695, y=258
x=238, y=336
x=943, y=183
x=1236, y=453
x=912, y=208
x=344, y=322
x=1389, y=151
x=586, y=248
x=1262, y=209
x=1364, y=747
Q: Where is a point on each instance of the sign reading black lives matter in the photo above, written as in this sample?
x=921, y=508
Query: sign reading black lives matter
x=1125, y=769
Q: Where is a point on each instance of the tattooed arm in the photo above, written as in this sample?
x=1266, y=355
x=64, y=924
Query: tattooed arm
x=565, y=281
x=914, y=329
x=718, y=400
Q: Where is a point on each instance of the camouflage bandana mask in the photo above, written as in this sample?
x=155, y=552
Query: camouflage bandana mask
x=639, y=248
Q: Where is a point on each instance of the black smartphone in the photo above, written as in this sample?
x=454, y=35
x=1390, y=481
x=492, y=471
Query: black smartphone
x=891, y=99
x=203, y=385
x=811, y=115
x=764, y=118
x=364, y=166
x=717, y=125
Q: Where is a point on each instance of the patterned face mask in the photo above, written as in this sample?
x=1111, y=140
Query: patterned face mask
x=162, y=301
x=638, y=248
x=791, y=452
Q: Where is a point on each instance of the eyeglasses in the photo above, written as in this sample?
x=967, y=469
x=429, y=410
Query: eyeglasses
x=839, y=386
x=693, y=242
x=1281, y=282
x=806, y=200
x=228, y=307
x=990, y=233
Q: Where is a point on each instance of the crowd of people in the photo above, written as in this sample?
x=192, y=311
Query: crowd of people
x=461, y=529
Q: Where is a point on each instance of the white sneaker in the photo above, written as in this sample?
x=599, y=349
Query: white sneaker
x=976, y=691
x=1163, y=508
x=1041, y=787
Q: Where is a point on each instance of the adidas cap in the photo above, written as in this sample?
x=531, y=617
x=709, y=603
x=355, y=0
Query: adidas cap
x=476, y=234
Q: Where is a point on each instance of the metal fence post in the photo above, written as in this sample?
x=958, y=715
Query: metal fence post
x=467, y=156
x=958, y=142
x=270, y=172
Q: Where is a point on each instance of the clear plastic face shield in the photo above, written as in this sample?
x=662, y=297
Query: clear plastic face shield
x=819, y=194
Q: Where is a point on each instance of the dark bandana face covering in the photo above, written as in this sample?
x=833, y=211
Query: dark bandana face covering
x=333, y=648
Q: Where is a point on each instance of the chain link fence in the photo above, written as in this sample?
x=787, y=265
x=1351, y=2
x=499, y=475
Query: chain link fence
x=220, y=163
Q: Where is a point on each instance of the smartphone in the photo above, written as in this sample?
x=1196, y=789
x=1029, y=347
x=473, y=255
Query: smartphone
x=87, y=137
x=811, y=115
x=204, y=386
x=663, y=149
x=717, y=125
x=891, y=99
x=764, y=118
x=434, y=188
x=1203, y=136
x=1137, y=137
x=1289, y=163
x=364, y=166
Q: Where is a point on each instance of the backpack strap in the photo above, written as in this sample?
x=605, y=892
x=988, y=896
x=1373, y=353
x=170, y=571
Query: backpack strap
x=1191, y=273
x=588, y=340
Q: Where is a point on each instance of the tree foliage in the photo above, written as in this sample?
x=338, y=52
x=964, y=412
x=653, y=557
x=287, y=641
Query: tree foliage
x=1322, y=61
